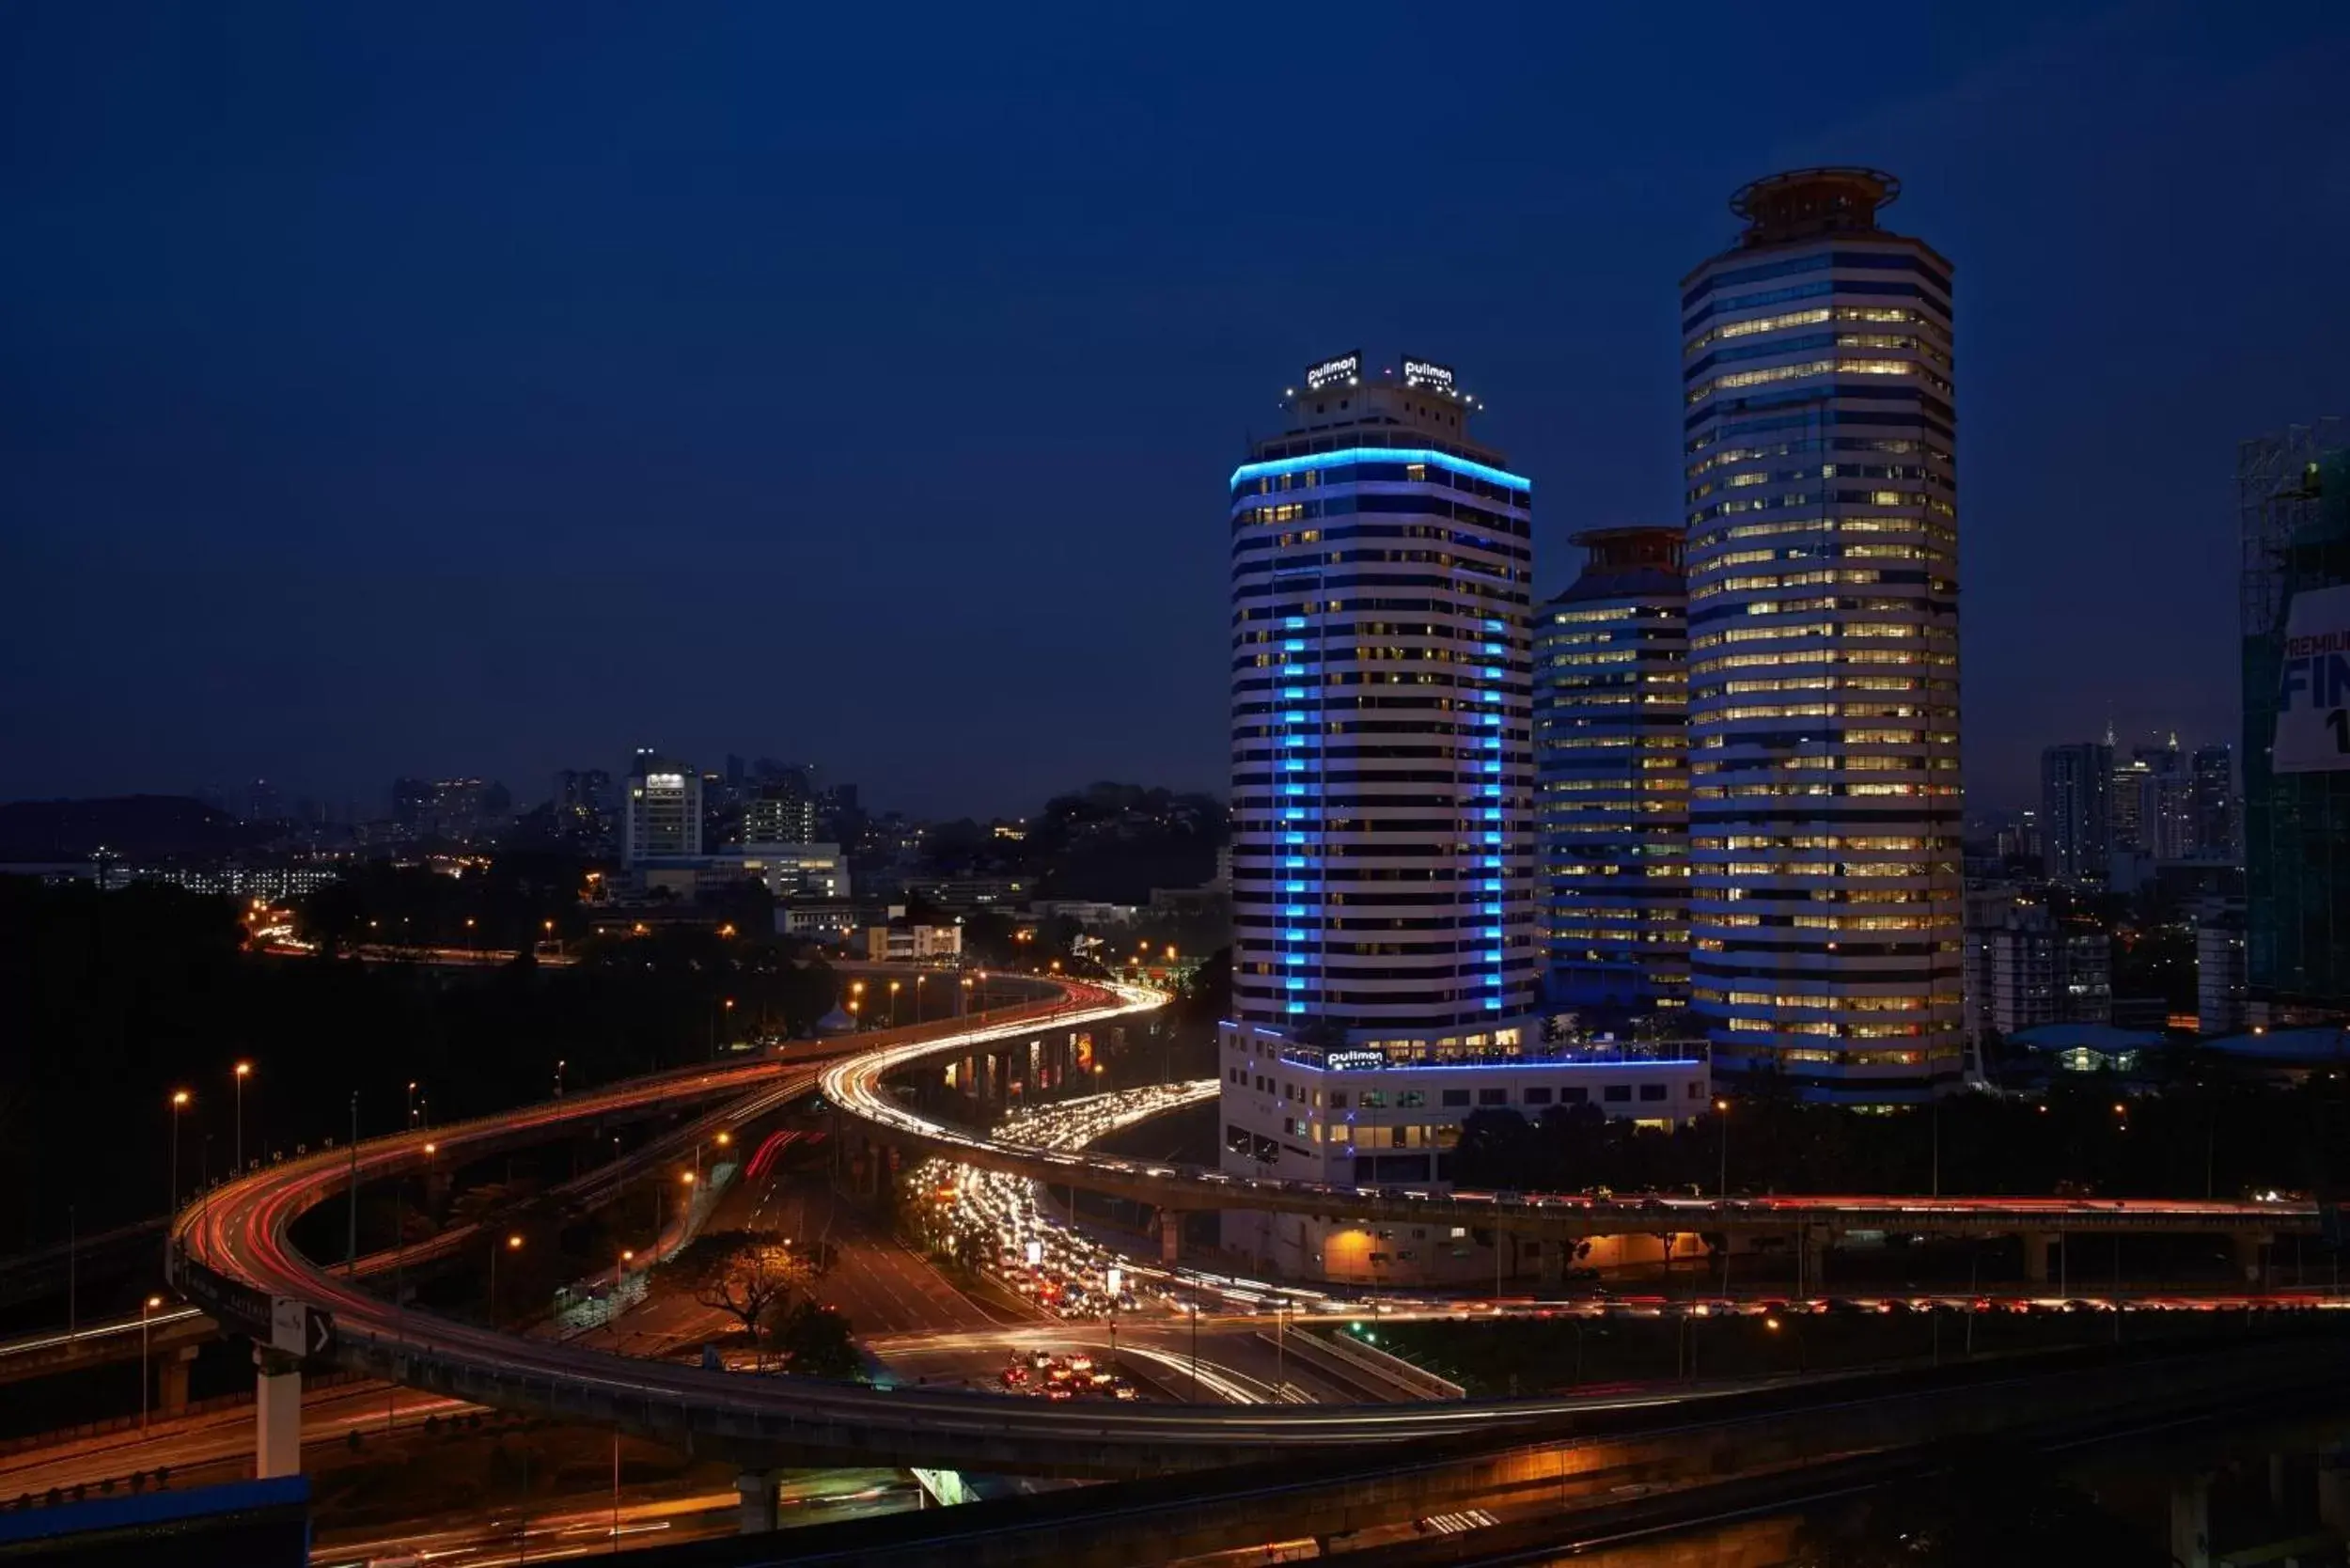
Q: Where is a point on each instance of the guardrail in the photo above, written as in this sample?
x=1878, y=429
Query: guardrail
x=1410, y=1376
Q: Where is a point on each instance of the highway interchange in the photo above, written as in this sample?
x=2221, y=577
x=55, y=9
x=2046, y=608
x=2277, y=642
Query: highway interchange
x=943, y=1345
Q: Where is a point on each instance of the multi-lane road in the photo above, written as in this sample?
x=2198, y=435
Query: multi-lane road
x=242, y=1231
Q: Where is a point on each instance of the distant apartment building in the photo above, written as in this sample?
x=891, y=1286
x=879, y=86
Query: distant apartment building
x=2026, y=967
x=2214, y=804
x=661, y=810
x=2077, y=812
x=2220, y=967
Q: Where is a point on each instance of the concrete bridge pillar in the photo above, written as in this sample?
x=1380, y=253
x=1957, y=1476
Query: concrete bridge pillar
x=761, y=1511
x=2333, y=1489
x=1171, y=1236
x=1811, y=1258
x=171, y=1396
x=2190, y=1522
x=277, y=1414
x=2251, y=1253
x=2036, y=1253
x=1553, y=1262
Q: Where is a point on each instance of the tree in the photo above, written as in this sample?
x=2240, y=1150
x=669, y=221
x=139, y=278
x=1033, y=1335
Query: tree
x=815, y=1341
x=749, y=1274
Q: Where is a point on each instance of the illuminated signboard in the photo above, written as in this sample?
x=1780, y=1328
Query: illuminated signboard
x=2313, y=684
x=1354, y=1062
x=1427, y=372
x=1334, y=371
x=665, y=781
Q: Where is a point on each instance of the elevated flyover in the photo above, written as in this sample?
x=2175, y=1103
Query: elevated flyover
x=240, y=1236
x=858, y=1086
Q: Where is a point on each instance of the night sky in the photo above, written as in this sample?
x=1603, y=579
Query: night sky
x=435, y=388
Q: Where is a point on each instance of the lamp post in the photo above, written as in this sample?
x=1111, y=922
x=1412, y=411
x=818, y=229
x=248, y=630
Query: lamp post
x=559, y=1064
x=893, y=1004
x=171, y=1181
x=244, y=1071
x=918, y=997
x=513, y=1244
x=1721, y=1110
x=411, y=1102
x=152, y=1302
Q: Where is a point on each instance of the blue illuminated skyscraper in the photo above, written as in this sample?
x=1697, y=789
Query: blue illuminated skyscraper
x=1382, y=708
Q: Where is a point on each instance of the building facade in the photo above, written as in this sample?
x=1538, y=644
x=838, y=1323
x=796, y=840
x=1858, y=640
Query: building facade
x=779, y=814
x=2214, y=803
x=661, y=811
x=1382, y=845
x=1825, y=809
x=2027, y=967
x=1383, y=842
x=2075, y=812
x=1611, y=743
x=2293, y=507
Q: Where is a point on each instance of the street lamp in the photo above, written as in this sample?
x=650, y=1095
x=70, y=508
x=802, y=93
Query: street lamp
x=244, y=1071
x=171, y=1183
x=513, y=1244
x=411, y=1102
x=1721, y=1110
x=559, y=1064
x=893, y=1004
x=152, y=1302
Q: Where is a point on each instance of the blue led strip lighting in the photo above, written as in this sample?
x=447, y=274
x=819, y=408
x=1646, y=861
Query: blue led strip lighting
x=1382, y=454
x=1298, y=813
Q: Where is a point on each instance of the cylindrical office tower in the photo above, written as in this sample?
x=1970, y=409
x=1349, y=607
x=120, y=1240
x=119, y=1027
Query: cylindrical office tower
x=1611, y=736
x=1383, y=843
x=1821, y=444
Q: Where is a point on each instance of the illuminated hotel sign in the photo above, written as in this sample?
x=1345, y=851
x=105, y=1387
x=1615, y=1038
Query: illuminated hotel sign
x=1427, y=372
x=1353, y=1062
x=1331, y=372
x=665, y=781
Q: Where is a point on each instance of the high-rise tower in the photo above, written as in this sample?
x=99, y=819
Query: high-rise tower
x=1382, y=771
x=1823, y=558
x=1611, y=717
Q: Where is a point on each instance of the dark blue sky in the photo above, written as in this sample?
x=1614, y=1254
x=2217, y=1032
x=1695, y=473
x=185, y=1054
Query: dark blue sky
x=418, y=388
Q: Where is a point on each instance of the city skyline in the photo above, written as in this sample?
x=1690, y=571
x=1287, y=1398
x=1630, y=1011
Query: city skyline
x=454, y=556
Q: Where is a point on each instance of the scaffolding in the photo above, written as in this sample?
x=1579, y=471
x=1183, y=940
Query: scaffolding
x=2292, y=508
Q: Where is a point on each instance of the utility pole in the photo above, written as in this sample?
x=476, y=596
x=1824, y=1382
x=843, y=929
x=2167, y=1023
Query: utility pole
x=351, y=1255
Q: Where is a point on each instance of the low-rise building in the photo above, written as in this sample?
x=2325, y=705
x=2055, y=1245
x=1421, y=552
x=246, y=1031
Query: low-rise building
x=900, y=941
x=2220, y=967
x=1352, y=1117
x=796, y=872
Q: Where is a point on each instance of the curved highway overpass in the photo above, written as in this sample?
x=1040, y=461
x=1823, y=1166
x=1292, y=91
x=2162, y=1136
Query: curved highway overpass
x=858, y=1085
x=241, y=1231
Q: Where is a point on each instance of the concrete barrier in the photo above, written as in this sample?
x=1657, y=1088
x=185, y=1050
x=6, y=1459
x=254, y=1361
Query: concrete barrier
x=1416, y=1381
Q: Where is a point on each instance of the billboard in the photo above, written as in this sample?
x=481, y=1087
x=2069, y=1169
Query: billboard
x=1336, y=370
x=1427, y=372
x=2313, y=684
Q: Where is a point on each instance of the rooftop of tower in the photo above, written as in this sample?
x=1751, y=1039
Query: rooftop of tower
x=1802, y=204
x=1409, y=393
